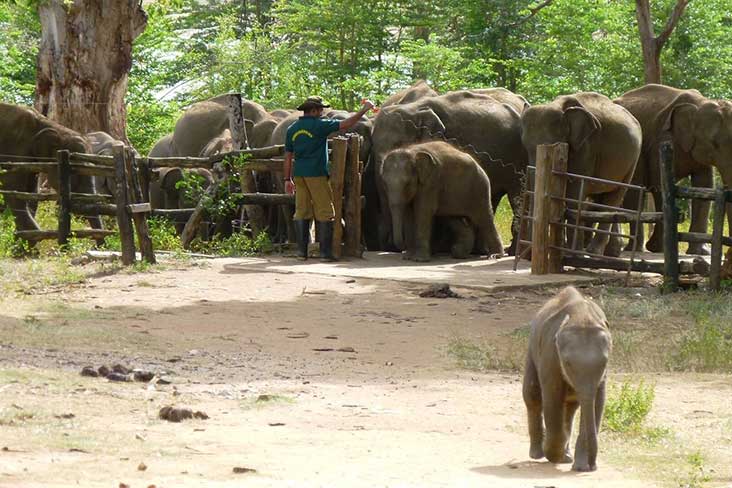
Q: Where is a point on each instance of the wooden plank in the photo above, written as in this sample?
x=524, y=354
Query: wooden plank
x=702, y=238
x=124, y=221
x=30, y=196
x=64, y=197
x=616, y=217
x=352, y=201
x=337, y=175
x=136, y=208
x=557, y=186
x=92, y=197
x=180, y=163
x=42, y=235
x=92, y=170
x=540, y=228
x=256, y=153
x=265, y=199
x=93, y=158
x=92, y=209
x=31, y=167
x=174, y=214
x=641, y=266
x=17, y=158
x=275, y=165
x=717, y=239
x=670, y=217
x=255, y=213
x=695, y=192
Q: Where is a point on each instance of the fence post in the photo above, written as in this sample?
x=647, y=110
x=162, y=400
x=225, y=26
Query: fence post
x=255, y=214
x=670, y=218
x=64, y=196
x=124, y=221
x=720, y=202
x=145, y=176
x=140, y=218
x=559, y=156
x=540, y=228
x=352, y=204
x=337, y=174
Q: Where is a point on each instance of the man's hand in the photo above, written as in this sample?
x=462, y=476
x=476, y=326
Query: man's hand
x=289, y=187
x=367, y=104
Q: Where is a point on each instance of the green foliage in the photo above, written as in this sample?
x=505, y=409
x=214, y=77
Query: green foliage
x=707, y=347
x=628, y=406
x=238, y=244
x=20, y=33
x=9, y=245
x=163, y=234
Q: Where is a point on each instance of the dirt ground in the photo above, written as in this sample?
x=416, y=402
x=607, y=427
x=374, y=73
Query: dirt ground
x=311, y=379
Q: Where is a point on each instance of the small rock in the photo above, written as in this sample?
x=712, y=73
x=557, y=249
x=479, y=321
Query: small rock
x=239, y=470
x=439, y=290
x=104, y=371
x=124, y=485
x=140, y=437
x=118, y=377
x=89, y=371
x=118, y=368
x=141, y=467
x=143, y=376
x=346, y=349
x=276, y=424
x=175, y=414
x=389, y=363
x=65, y=416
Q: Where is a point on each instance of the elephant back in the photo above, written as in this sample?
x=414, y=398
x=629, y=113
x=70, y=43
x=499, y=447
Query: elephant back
x=417, y=91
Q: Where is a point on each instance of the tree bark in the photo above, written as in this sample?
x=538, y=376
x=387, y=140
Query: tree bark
x=652, y=45
x=84, y=61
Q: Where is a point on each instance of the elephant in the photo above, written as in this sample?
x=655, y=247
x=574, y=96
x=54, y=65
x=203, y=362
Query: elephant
x=25, y=132
x=431, y=179
x=417, y=91
x=604, y=142
x=566, y=368
x=101, y=143
x=455, y=235
x=484, y=124
x=701, y=132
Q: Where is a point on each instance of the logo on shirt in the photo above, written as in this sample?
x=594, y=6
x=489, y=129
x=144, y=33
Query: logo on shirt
x=302, y=132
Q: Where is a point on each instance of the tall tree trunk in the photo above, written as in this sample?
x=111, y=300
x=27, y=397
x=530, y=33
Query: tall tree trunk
x=651, y=45
x=84, y=62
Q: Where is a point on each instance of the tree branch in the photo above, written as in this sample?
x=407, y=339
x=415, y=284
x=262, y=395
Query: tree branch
x=533, y=11
x=645, y=25
x=671, y=22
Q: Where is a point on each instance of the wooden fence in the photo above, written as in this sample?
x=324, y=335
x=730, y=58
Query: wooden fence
x=127, y=204
x=546, y=208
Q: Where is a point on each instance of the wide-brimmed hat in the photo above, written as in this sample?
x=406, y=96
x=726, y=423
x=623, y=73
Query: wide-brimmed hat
x=312, y=102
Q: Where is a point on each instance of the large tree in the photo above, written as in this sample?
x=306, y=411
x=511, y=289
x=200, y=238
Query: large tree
x=652, y=44
x=84, y=61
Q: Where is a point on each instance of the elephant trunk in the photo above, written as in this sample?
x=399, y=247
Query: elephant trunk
x=397, y=221
x=588, y=432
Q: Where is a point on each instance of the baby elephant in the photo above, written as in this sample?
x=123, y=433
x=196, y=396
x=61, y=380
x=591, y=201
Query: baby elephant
x=436, y=179
x=566, y=366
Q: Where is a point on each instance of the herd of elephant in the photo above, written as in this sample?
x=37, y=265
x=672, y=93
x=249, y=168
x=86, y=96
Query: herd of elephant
x=437, y=165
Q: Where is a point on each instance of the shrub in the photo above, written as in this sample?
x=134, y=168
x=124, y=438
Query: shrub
x=627, y=407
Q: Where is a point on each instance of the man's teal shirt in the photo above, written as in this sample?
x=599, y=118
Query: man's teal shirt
x=308, y=140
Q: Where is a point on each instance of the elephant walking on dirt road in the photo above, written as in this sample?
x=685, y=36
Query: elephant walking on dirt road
x=566, y=368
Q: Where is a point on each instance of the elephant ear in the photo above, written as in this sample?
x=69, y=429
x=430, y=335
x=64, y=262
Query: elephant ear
x=170, y=178
x=429, y=124
x=582, y=124
x=709, y=121
x=426, y=168
x=679, y=120
x=249, y=127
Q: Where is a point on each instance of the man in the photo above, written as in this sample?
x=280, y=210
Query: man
x=307, y=143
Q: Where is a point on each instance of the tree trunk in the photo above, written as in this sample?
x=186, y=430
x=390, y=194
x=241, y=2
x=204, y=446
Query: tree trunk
x=651, y=45
x=84, y=61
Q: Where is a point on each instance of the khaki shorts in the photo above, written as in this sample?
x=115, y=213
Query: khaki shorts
x=313, y=197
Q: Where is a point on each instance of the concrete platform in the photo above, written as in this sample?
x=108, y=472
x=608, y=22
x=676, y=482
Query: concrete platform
x=481, y=274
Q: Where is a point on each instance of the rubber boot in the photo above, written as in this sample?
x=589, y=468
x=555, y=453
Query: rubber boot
x=325, y=236
x=302, y=232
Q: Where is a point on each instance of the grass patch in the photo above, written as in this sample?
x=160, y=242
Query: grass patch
x=627, y=408
x=506, y=354
x=265, y=400
x=34, y=275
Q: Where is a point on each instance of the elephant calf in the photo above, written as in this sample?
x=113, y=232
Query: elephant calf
x=566, y=366
x=431, y=179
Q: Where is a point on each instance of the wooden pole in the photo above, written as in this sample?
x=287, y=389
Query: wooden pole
x=140, y=219
x=124, y=221
x=337, y=175
x=559, y=155
x=670, y=218
x=255, y=213
x=64, y=197
x=145, y=178
x=540, y=228
x=717, y=230
x=352, y=204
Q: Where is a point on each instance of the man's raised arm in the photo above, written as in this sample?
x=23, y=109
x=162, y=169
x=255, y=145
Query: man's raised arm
x=353, y=119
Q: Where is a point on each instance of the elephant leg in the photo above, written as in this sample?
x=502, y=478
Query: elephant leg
x=463, y=237
x=532, y=399
x=572, y=193
x=23, y=218
x=581, y=452
x=424, y=211
x=554, y=406
x=570, y=409
x=600, y=240
x=655, y=241
x=630, y=201
x=409, y=234
x=488, y=233
x=704, y=178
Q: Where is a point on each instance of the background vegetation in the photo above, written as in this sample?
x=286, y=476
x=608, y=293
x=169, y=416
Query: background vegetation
x=278, y=51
